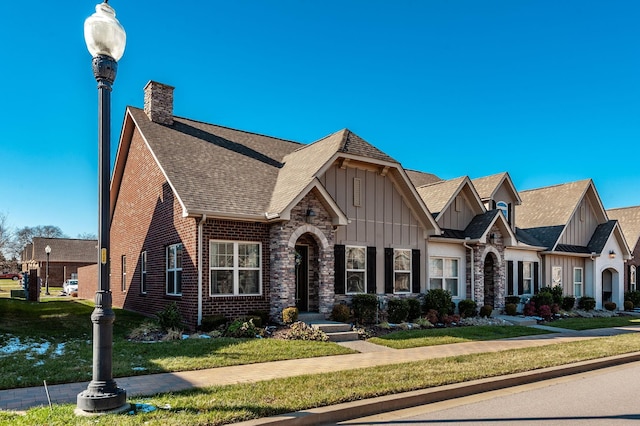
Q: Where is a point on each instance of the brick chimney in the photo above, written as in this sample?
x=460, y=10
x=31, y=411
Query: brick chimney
x=158, y=102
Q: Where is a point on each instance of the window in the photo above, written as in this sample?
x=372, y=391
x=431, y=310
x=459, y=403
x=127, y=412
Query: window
x=632, y=278
x=124, y=273
x=356, y=269
x=504, y=208
x=577, y=282
x=527, y=277
x=401, y=271
x=174, y=270
x=235, y=268
x=443, y=274
x=556, y=276
x=143, y=272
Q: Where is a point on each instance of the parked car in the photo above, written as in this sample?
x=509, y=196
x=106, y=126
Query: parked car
x=70, y=286
x=10, y=276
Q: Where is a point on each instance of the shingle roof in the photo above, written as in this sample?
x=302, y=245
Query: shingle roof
x=422, y=178
x=63, y=250
x=485, y=186
x=437, y=195
x=480, y=224
x=601, y=236
x=629, y=220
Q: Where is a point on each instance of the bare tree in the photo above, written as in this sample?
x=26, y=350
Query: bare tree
x=5, y=233
x=87, y=236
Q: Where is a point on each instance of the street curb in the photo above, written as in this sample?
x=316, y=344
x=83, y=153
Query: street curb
x=383, y=404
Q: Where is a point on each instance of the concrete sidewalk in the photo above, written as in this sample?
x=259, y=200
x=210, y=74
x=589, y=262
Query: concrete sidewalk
x=370, y=355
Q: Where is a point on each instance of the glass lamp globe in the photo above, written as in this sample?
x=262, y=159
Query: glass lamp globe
x=103, y=33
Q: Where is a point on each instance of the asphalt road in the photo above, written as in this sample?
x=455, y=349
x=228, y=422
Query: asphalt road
x=609, y=396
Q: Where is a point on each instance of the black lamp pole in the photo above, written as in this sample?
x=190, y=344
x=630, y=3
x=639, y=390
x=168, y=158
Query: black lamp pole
x=102, y=394
x=47, y=250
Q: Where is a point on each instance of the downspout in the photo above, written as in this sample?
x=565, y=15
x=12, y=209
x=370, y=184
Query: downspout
x=200, y=226
x=473, y=281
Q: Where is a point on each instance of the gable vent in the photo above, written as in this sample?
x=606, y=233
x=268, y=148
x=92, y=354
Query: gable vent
x=357, y=192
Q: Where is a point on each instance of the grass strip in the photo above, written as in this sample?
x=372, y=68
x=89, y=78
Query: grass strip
x=234, y=403
x=590, y=323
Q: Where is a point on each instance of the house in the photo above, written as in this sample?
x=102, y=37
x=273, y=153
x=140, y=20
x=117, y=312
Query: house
x=629, y=220
x=66, y=256
x=584, y=251
x=223, y=221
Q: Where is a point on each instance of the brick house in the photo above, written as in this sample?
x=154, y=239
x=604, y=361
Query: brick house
x=224, y=221
x=67, y=255
x=629, y=220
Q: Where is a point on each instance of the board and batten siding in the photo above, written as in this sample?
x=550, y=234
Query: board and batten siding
x=567, y=263
x=581, y=226
x=458, y=215
x=382, y=220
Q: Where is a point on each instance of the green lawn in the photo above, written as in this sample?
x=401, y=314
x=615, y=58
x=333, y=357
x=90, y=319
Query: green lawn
x=442, y=336
x=590, y=323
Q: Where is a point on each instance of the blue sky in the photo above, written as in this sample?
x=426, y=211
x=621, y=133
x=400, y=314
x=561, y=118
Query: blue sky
x=547, y=90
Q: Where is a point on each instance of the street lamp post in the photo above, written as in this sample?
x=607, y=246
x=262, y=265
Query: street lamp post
x=105, y=40
x=47, y=250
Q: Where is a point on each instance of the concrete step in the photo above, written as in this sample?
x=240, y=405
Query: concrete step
x=343, y=336
x=310, y=316
x=331, y=327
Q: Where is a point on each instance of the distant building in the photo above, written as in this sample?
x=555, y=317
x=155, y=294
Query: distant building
x=66, y=256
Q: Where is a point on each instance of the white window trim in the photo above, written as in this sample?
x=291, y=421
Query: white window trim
x=143, y=272
x=529, y=278
x=236, y=269
x=580, y=283
x=402, y=271
x=633, y=277
x=123, y=270
x=347, y=270
x=503, y=206
x=443, y=278
x=176, y=269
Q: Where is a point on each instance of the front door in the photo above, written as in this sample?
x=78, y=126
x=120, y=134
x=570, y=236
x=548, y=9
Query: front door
x=489, y=285
x=302, y=278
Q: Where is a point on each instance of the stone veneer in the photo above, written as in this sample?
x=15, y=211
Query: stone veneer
x=283, y=238
x=158, y=102
x=480, y=252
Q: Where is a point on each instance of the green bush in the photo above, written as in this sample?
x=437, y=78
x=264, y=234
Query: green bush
x=514, y=300
x=610, y=306
x=290, y=315
x=264, y=316
x=169, y=317
x=587, y=303
x=628, y=305
x=440, y=301
x=365, y=307
x=415, y=309
x=242, y=327
x=398, y=310
x=568, y=303
x=486, y=311
x=212, y=322
x=467, y=308
x=633, y=296
x=340, y=313
x=511, y=309
x=543, y=297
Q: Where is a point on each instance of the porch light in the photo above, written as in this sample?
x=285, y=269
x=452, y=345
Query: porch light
x=310, y=215
x=612, y=254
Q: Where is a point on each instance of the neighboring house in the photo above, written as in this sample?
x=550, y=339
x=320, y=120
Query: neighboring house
x=584, y=251
x=629, y=220
x=67, y=255
x=223, y=221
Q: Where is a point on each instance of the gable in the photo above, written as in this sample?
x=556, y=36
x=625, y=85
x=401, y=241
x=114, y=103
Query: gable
x=581, y=226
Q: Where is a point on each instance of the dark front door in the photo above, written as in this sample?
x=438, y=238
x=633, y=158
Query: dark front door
x=302, y=278
x=489, y=285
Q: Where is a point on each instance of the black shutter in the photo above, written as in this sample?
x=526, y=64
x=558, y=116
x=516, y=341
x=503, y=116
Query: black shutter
x=510, y=212
x=493, y=204
x=536, y=283
x=388, y=270
x=371, y=270
x=339, y=269
x=509, y=277
x=520, y=278
x=415, y=271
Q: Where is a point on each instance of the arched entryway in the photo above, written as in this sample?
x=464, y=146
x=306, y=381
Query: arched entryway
x=307, y=294
x=489, y=279
x=607, y=286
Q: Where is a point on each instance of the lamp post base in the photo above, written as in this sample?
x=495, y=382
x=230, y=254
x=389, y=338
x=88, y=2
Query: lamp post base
x=91, y=402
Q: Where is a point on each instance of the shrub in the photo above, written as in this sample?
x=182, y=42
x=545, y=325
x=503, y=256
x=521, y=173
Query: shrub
x=365, y=307
x=290, y=315
x=415, y=309
x=568, y=303
x=340, y=313
x=545, y=312
x=451, y=319
x=212, y=322
x=169, y=317
x=628, y=305
x=438, y=300
x=610, y=306
x=242, y=327
x=511, y=309
x=467, y=308
x=513, y=300
x=634, y=297
x=432, y=316
x=423, y=322
x=544, y=297
x=486, y=311
x=301, y=331
x=555, y=308
x=530, y=309
x=587, y=303
x=172, y=334
x=398, y=310
x=263, y=315
x=147, y=331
